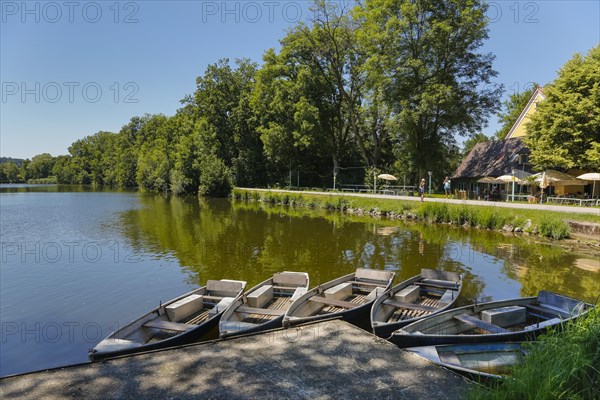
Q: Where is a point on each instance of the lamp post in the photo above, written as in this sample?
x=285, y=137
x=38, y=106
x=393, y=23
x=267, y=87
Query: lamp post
x=429, y=172
x=334, y=178
x=514, y=178
x=374, y=181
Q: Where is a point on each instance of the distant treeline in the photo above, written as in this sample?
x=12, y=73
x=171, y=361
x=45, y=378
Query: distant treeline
x=382, y=86
x=16, y=161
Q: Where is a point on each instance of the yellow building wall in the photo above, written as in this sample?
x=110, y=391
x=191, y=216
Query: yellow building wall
x=571, y=189
x=520, y=129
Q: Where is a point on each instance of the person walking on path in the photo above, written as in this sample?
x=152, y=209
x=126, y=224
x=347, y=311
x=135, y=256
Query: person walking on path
x=422, y=189
x=447, y=187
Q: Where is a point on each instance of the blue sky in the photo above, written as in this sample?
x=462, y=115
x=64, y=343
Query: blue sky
x=71, y=69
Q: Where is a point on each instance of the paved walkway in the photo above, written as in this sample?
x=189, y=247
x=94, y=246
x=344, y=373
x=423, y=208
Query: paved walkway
x=500, y=204
x=328, y=360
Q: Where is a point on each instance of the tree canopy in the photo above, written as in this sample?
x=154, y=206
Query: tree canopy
x=382, y=85
x=426, y=56
x=472, y=141
x=565, y=130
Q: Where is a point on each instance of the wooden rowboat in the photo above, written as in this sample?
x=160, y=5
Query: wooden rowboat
x=349, y=297
x=498, y=321
x=478, y=361
x=423, y=295
x=263, y=307
x=182, y=320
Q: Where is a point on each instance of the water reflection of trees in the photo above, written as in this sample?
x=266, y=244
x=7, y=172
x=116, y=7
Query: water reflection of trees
x=535, y=263
x=217, y=239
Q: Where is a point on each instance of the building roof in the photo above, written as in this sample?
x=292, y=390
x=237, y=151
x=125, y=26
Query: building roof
x=493, y=158
x=538, y=92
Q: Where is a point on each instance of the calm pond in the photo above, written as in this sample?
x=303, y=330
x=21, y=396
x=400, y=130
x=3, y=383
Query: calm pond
x=77, y=263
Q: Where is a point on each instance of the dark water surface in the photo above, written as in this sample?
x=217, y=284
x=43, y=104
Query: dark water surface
x=77, y=263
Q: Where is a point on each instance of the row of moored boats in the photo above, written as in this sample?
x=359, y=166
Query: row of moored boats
x=479, y=340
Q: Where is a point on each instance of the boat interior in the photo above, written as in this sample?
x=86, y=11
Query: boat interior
x=266, y=302
x=178, y=316
x=489, y=358
x=427, y=300
x=491, y=361
x=422, y=297
x=519, y=315
x=344, y=294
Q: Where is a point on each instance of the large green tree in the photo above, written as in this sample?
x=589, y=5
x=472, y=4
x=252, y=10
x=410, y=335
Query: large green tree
x=222, y=99
x=40, y=166
x=155, y=157
x=64, y=171
x=472, y=141
x=93, y=157
x=274, y=101
x=329, y=80
x=435, y=75
x=565, y=130
x=10, y=172
x=196, y=140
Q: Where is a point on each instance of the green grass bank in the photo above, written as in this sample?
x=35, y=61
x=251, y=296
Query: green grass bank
x=563, y=365
x=545, y=223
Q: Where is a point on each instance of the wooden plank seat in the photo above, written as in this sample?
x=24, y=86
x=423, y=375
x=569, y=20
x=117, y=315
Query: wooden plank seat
x=548, y=312
x=333, y=302
x=213, y=298
x=409, y=306
x=361, y=283
x=259, y=311
x=285, y=287
x=437, y=283
x=168, y=325
x=479, y=324
x=543, y=324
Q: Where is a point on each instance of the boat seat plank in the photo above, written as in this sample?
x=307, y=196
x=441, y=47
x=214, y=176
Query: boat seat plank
x=276, y=287
x=479, y=324
x=259, y=311
x=437, y=284
x=212, y=298
x=332, y=302
x=168, y=325
x=543, y=324
x=548, y=311
x=360, y=283
x=409, y=306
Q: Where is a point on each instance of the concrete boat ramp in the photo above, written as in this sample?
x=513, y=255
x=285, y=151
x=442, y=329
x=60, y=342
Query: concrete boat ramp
x=327, y=360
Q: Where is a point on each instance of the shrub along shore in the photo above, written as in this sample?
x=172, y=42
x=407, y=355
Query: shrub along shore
x=546, y=223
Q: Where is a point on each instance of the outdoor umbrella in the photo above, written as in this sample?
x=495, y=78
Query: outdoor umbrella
x=558, y=177
x=509, y=178
x=385, y=177
x=591, y=176
x=544, y=183
x=516, y=177
x=489, y=179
